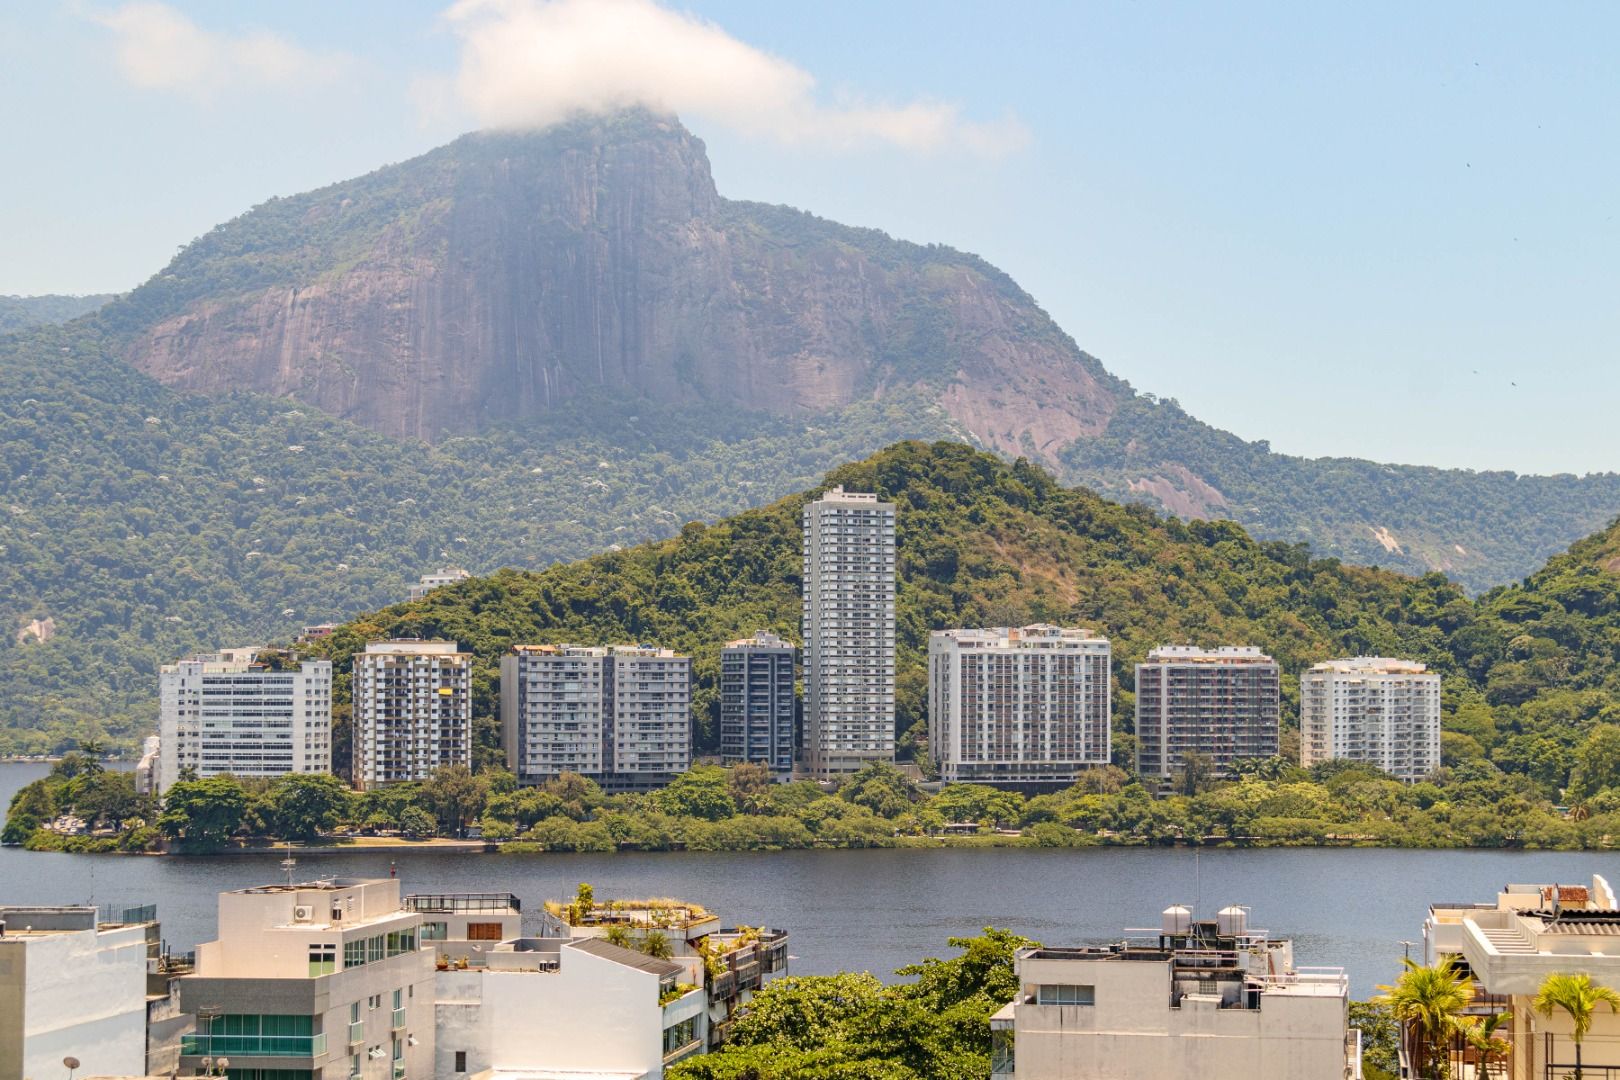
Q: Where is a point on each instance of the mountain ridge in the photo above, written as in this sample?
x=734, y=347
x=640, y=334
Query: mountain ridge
x=502, y=276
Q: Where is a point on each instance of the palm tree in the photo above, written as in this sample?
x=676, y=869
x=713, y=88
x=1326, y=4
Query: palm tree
x=1429, y=1002
x=1483, y=1038
x=1579, y=997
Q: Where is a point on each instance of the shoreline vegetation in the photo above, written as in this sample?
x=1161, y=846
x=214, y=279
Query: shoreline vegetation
x=83, y=807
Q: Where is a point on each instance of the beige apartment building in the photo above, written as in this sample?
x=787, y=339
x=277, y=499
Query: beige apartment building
x=1222, y=704
x=1212, y=1000
x=1371, y=709
x=1020, y=707
x=412, y=711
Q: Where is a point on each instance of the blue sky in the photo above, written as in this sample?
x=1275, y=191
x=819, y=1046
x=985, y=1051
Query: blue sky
x=1348, y=230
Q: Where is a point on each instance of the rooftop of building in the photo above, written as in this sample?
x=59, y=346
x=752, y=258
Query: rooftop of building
x=653, y=913
x=1009, y=636
x=1371, y=665
x=46, y=920
x=414, y=647
x=762, y=639
x=628, y=957
x=1221, y=654
x=566, y=649
x=332, y=884
x=838, y=496
x=457, y=903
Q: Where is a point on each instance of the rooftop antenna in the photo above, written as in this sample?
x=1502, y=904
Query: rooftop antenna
x=1198, y=881
x=288, y=864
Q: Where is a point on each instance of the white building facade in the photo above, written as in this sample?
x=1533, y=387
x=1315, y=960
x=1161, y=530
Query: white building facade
x=1207, y=1000
x=1018, y=706
x=620, y=714
x=230, y=712
x=70, y=987
x=1223, y=704
x=445, y=575
x=324, y=980
x=412, y=711
x=849, y=632
x=1372, y=709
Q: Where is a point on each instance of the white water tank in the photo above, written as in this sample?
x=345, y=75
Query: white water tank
x=1177, y=919
x=1231, y=922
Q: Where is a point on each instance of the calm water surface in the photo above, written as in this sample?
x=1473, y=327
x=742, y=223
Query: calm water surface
x=876, y=910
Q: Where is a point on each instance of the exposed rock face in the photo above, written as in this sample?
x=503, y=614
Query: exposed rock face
x=496, y=278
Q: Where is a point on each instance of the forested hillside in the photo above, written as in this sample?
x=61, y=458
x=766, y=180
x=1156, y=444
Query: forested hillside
x=139, y=524
x=1480, y=528
x=1530, y=669
x=22, y=312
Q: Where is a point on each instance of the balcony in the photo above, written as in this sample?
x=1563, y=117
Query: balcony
x=301, y=1046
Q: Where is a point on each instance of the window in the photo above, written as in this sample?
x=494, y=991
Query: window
x=461, y=1061
x=354, y=1012
x=680, y=1035
x=322, y=959
x=374, y=949
x=354, y=953
x=1061, y=994
x=483, y=931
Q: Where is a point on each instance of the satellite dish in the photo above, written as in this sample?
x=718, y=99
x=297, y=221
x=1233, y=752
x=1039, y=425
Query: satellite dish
x=71, y=1062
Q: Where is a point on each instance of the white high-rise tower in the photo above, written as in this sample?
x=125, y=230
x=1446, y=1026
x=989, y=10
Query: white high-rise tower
x=848, y=632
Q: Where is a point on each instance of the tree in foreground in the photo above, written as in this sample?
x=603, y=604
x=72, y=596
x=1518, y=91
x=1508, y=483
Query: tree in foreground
x=304, y=805
x=1430, y=1002
x=852, y=1026
x=1577, y=997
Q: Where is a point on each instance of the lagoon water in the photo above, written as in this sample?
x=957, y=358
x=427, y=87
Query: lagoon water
x=877, y=910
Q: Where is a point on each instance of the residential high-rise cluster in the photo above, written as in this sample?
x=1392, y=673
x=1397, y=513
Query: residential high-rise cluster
x=1014, y=706
x=849, y=635
x=620, y=714
x=1221, y=704
x=757, y=703
x=233, y=712
x=1371, y=709
x=412, y=711
x=1018, y=707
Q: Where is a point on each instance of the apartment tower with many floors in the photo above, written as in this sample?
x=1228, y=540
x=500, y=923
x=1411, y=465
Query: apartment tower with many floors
x=1019, y=707
x=849, y=563
x=412, y=711
x=230, y=712
x=1221, y=704
x=1371, y=709
x=757, y=703
x=620, y=714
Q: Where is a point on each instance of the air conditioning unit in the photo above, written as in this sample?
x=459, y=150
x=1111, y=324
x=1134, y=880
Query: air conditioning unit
x=303, y=913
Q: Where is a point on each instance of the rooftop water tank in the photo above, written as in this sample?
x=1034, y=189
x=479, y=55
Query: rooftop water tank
x=1231, y=922
x=1177, y=919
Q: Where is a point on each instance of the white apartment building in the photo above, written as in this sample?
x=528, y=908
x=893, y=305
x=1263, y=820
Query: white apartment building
x=757, y=703
x=1018, y=706
x=620, y=714
x=412, y=711
x=445, y=575
x=849, y=586
x=1211, y=1000
x=1371, y=709
x=71, y=987
x=324, y=980
x=1222, y=704
x=509, y=1006
x=1509, y=946
x=230, y=712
